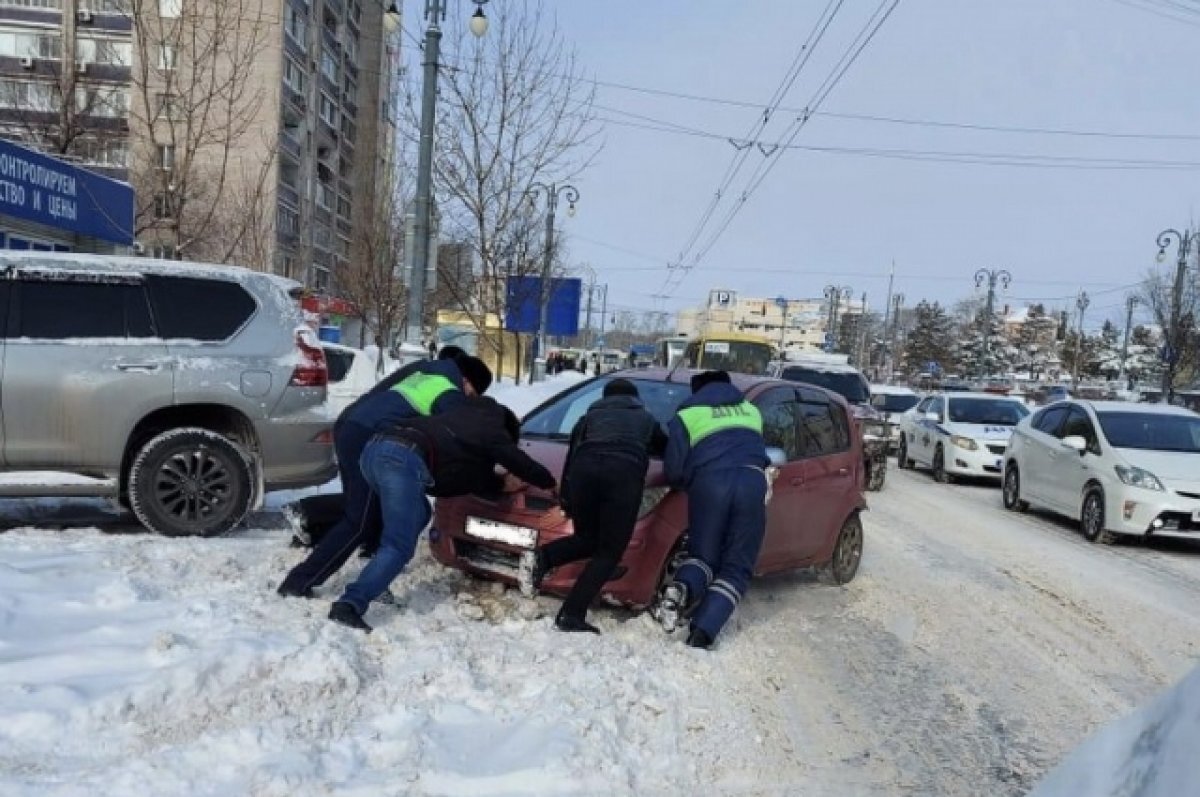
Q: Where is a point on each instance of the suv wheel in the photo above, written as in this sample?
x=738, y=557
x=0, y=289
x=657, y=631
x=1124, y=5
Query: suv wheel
x=190, y=482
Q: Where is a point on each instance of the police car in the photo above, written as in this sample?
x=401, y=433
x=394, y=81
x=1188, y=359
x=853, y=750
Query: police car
x=959, y=434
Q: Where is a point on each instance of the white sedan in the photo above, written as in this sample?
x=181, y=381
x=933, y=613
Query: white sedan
x=959, y=434
x=1117, y=468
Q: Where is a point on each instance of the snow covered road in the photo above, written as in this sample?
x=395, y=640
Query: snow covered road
x=973, y=651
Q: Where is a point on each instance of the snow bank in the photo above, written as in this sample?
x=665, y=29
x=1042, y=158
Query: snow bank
x=523, y=398
x=1150, y=753
x=134, y=664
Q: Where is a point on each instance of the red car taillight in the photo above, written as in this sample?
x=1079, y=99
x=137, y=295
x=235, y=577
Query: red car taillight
x=312, y=370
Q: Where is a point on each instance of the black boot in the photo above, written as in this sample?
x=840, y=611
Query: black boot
x=345, y=614
x=699, y=639
x=566, y=623
x=287, y=590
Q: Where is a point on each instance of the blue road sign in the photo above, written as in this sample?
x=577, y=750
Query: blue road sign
x=523, y=299
x=781, y=302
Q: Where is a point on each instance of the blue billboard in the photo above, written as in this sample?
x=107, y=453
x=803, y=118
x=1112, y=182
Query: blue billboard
x=523, y=301
x=41, y=189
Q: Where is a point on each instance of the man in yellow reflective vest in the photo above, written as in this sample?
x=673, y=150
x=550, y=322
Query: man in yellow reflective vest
x=432, y=388
x=716, y=453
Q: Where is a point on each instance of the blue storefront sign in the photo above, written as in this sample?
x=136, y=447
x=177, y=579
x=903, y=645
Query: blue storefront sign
x=37, y=188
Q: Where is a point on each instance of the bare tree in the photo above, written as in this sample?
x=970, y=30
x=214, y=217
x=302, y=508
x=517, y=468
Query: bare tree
x=1155, y=293
x=514, y=111
x=374, y=280
x=195, y=109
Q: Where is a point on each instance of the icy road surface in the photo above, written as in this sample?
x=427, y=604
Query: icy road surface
x=973, y=651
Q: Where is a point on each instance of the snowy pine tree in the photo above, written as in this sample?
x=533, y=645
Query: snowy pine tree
x=984, y=348
x=931, y=340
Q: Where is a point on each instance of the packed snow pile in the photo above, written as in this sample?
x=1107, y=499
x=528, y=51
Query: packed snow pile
x=523, y=398
x=1150, y=753
x=134, y=664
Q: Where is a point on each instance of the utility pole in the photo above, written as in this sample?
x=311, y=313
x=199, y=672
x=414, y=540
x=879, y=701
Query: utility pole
x=587, y=330
x=1130, y=303
x=435, y=14
x=862, y=334
x=887, y=313
x=992, y=278
x=897, y=303
x=1081, y=304
x=1173, y=344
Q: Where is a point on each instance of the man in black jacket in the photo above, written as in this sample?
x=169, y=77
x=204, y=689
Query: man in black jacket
x=603, y=477
x=450, y=454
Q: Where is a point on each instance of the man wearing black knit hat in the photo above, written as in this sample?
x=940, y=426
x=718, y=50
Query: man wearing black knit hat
x=603, y=478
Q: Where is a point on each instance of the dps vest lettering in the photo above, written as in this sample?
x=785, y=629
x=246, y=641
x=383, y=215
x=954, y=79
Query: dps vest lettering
x=702, y=422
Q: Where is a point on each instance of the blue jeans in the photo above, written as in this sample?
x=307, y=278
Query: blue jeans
x=726, y=523
x=399, y=476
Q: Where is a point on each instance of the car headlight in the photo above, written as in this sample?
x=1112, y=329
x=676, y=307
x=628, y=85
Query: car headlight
x=965, y=443
x=651, y=498
x=1137, y=477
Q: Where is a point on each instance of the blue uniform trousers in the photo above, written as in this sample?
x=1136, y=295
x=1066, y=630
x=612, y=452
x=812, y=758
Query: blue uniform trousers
x=726, y=522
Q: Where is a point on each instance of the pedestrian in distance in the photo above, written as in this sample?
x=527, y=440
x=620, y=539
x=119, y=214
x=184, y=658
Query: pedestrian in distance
x=445, y=455
x=716, y=453
x=431, y=388
x=603, y=478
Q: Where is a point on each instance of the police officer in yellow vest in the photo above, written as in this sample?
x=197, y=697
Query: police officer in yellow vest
x=432, y=388
x=716, y=453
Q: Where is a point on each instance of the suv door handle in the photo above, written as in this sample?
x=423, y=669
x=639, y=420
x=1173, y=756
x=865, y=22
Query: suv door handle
x=146, y=367
x=843, y=471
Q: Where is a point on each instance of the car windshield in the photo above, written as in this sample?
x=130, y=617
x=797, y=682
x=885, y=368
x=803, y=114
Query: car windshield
x=850, y=385
x=987, y=412
x=1151, y=431
x=893, y=402
x=554, y=421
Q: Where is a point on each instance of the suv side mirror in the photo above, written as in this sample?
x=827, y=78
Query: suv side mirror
x=777, y=456
x=1075, y=443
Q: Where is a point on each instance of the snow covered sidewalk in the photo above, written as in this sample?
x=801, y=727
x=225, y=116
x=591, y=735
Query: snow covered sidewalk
x=131, y=664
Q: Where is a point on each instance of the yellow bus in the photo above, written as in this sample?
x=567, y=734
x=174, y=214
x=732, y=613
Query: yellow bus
x=729, y=351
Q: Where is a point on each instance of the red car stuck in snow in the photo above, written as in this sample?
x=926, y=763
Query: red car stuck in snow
x=812, y=519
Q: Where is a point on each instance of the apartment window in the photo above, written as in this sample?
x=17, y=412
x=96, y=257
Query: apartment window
x=166, y=157
x=163, y=207
x=32, y=3
x=294, y=76
x=27, y=95
x=343, y=247
x=168, y=106
x=343, y=207
x=104, y=153
x=170, y=9
x=106, y=101
x=326, y=198
x=348, y=130
x=108, y=6
x=167, y=56
x=329, y=65
x=295, y=25
x=162, y=252
x=351, y=44
x=287, y=220
x=104, y=51
x=329, y=112
x=27, y=44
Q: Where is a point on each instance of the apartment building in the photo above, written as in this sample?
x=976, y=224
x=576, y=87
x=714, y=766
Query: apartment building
x=296, y=98
x=787, y=323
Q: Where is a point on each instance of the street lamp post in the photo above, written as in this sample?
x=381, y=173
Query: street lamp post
x=897, y=303
x=435, y=14
x=551, y=193
x=992, y=278
x=1174, y=336
x=834, y=295
x=782, y=303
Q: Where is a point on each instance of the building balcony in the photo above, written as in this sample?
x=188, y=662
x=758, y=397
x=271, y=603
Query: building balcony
x=289, y=146
x=289, y=195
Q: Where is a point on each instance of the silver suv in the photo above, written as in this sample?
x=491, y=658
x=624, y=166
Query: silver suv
x=184, y=391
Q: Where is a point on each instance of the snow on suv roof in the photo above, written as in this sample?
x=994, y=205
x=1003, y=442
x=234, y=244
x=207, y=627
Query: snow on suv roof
x=892, y=390
x=133, y=266
x=963, y=394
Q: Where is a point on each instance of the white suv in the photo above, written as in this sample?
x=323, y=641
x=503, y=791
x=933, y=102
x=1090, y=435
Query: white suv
x=1117, y=468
